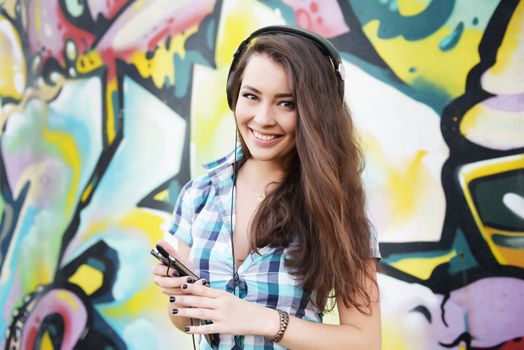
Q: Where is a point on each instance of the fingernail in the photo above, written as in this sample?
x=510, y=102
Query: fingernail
x=189, y=280
x=205, y=282
x=174, y=311
x=172, y=299
x=184, y=286
x=187, y=329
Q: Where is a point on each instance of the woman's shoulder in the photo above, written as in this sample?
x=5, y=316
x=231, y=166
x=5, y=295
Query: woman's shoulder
x=219, y=173
x=198, y=183
x=196, y=188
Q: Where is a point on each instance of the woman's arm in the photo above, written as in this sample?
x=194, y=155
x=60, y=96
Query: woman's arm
x=356, y=330
x=232, y=315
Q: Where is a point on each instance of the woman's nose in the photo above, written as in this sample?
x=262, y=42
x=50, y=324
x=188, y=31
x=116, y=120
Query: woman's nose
x=264, y=115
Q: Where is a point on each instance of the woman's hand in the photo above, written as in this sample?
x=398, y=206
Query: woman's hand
x=229, y=314
x=167, y=278
x=169, y=281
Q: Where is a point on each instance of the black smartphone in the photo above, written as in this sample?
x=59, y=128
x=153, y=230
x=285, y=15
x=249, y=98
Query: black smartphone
x=162, y=255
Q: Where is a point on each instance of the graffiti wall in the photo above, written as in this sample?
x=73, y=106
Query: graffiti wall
x=109, y=107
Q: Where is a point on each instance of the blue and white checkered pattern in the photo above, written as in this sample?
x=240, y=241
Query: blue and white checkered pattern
x=202, y=220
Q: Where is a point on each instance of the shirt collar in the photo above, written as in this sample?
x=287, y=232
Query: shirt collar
x=220, y=172
x=224, y=163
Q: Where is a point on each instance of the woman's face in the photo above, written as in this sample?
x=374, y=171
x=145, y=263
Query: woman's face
x=265, y=110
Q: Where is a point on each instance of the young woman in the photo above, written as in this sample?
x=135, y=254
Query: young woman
x=277, y=230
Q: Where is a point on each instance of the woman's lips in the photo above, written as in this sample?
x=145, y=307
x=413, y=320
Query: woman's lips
x=265, y=138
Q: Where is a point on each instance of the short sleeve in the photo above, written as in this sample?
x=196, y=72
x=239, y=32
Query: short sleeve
x=183, y=216
x=373, y=244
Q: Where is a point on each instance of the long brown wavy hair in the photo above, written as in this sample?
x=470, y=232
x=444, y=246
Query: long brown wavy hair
x=317, y=210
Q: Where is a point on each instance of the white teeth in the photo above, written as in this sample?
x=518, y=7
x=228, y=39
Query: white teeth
x=262, y=136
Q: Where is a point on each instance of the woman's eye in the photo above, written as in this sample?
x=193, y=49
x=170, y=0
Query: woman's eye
x=288, y=104
x=250, y=96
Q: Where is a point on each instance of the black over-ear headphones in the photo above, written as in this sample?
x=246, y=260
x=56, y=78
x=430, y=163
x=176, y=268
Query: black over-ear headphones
x=323, y=44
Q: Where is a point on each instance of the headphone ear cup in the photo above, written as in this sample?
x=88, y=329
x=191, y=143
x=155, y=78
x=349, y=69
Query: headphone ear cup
x=232, y=69
x=229, y=87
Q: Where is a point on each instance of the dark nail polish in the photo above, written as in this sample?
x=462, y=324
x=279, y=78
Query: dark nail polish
x=172, y=299
x=174, y=311
x=184, y=286
x=205, y=282
x=189, y=280
x=186, y=329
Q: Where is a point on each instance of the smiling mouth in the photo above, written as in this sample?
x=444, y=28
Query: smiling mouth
x=264, y=137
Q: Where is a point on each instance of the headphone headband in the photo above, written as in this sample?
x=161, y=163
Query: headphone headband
x=323, y=44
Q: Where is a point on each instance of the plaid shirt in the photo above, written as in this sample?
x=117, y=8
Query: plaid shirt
x=202, y=220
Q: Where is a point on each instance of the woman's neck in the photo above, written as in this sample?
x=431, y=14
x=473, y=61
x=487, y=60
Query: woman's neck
x=261, y=173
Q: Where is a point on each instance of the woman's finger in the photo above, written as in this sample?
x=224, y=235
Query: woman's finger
x=193, y=301
x=202, y=290
x=167, y=247
x=162, y=270
x=173, y=282
x=209, y=328
x=171, y=291
x=197, y=313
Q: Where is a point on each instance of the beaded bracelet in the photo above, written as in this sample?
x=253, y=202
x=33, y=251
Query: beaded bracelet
x=284, y=321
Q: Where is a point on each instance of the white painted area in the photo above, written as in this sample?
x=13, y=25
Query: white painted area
x=15, y=54
x=495, y=128
x=394, y=129
x=515, y=203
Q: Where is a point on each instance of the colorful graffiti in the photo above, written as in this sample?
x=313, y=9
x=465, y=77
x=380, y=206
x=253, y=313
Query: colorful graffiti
x=107, y=108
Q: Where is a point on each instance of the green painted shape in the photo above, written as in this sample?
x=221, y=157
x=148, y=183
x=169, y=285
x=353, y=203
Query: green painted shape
x=184, y=71
x=97, y=264
x=393, y=258
x=174, y=189
x=286, y=11
x=508, y=242
x=450, y=41
x=116, y=112
x=420, y=90
x=393, y=24
x=1, y=206
x=488, y=194
x=464, y=260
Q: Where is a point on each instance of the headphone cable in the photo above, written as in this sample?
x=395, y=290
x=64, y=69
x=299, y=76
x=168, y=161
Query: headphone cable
x=231, y=213
x=193, y=336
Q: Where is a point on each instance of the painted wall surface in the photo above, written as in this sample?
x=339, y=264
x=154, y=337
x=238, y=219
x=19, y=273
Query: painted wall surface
x=109, y=107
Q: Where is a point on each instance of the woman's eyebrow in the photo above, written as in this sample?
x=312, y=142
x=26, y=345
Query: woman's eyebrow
x=287, y=94
x=255, y=90
x=251, y=88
